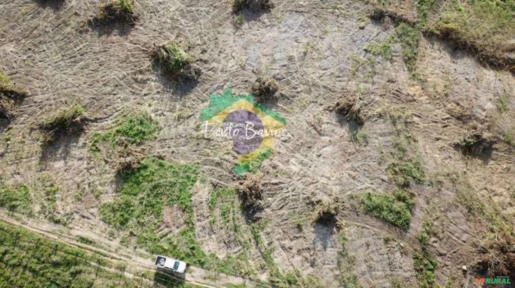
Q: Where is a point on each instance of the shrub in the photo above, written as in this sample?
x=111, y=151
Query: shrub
x=264, y=89
x=350, y=110
x=9, y=90
x=251, y=195
x=394, y=209
x=117, y=10
x=173, y=60
x=477, y=145
x=325, y=213
x=65, y=122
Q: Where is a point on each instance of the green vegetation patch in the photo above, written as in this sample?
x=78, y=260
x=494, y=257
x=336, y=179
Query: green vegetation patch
x=383, y=49
x=394, y=209
x=138, y=208
x=423, y=9
x=125, y=5
x=424, y=262
x=403, y=173
x=484, y=26
x=346, y=263
x=15, y=198
x=409, y=38
x=146, y=190
x=28, y=260
x=133, y=129
x=224, y=200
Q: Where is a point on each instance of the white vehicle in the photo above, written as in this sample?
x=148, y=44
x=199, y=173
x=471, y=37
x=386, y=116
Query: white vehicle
x=171, y=265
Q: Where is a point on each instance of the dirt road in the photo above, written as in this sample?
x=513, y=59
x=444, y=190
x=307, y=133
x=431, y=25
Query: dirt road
x=136, y=261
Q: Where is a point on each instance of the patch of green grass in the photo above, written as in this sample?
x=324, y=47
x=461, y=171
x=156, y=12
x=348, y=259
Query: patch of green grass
x=133, y=129
x=403, y=173
x=145, y=191
x=509, y=138
x=16, y=198
x=29, y=260
x=48, y=203
x=346, y=262
x=394, y=209
x=483, y=25
x=409, y=38
x=466, y=196
x=171, y=58
x=126, y=6
x=4, y=80
x=138, y=208
x=383, y=49
x=224, y=199
x=423, y=9
x=502, y=103
x=424, y=262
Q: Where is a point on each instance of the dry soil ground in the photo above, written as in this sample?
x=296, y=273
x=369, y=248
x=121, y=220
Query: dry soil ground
x=316, y=52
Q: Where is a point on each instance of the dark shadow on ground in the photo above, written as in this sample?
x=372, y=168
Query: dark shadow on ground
x=353, y=126
x=4, y=121
x=105, y=28
x=53, y=4
x=180, y=85
x=168, y=279
x=324, y=232
x=60, y=149
x=476, y=146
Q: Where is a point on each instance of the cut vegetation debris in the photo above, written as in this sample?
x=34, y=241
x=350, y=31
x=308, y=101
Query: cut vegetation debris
x=67, y=122
x=477, y=145
x=174, y=61
x=265, y=89
x=117, y=11
x=350, y=111
x=394, y=209
x=250, y=193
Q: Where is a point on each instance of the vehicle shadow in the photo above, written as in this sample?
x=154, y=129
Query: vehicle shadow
x=164, y=278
